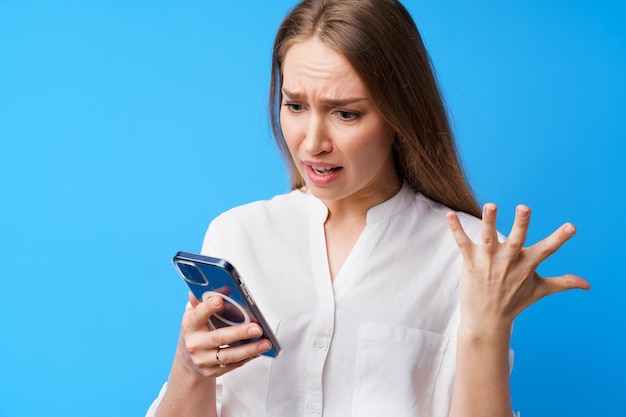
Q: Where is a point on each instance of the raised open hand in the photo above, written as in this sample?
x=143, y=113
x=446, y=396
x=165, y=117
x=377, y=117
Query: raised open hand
x=498, y=279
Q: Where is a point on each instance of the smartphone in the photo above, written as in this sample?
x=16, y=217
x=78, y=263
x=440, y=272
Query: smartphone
x=206, y=276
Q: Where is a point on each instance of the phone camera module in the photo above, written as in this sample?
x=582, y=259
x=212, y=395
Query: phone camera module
x=191, y=273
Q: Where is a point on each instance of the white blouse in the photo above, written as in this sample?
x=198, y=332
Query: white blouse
x=379, y=340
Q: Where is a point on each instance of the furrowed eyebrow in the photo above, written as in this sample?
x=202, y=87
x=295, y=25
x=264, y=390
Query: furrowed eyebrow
x=331, y=102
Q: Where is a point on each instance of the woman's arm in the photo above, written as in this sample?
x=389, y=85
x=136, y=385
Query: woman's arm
x=188, y=393
x=191, y=386
x=498, y=281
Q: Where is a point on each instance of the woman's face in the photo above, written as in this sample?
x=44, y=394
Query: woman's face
x=339, y=142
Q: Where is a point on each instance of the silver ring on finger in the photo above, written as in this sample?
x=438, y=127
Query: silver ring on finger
x=217, y=357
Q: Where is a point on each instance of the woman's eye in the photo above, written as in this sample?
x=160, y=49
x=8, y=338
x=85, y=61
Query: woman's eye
x=296, y=108
x=348, y=115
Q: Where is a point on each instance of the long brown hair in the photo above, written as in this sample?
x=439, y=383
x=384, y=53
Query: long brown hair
x=382, y=43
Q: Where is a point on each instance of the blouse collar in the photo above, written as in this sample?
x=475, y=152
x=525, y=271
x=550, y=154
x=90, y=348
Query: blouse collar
x=379, y=212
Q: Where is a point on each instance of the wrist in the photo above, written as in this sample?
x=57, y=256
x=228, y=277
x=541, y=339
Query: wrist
x=186, y=368
x=485, y=332
x=188, y=391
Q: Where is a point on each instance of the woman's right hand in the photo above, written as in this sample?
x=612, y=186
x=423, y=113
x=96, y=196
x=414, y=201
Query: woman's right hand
x=207, y=350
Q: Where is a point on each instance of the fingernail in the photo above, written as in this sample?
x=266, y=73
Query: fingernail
x=570, y=229
x=255, y=331
x=264, y=346
x=215, y=301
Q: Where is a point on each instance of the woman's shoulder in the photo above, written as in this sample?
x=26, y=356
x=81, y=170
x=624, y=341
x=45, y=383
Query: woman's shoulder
x=257, y=223
x=280, y=207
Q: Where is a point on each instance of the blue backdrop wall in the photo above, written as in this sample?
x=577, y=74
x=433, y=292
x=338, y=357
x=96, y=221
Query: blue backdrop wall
x=125, y=127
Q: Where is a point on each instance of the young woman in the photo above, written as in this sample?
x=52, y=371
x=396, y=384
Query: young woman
x=387, y=292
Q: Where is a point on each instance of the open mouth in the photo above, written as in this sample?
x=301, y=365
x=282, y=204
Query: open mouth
x=324, y=170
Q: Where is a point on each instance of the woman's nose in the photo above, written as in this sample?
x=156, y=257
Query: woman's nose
x=317, y=139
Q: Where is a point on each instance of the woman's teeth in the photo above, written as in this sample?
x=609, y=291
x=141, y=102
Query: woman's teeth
x=322, y=170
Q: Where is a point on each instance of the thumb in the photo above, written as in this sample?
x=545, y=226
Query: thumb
x=563, y=283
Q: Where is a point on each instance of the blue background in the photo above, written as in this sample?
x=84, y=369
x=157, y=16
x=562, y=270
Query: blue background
x=125, y=127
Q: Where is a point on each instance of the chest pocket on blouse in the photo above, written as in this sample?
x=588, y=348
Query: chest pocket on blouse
x=396, y=370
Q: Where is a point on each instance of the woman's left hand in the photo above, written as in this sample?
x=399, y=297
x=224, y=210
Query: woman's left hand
x=498, y=279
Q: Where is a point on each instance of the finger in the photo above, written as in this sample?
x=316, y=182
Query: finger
x=562, y=283
x=546, y=247
x=199, y=342
x=231, y=366
x=488, y=230
x=207, y=366
x=464, y=243
x=516, y=239
x=210, y=358
x=213, y=370
x=200, y=314
x=235, y=354
x=233, y=334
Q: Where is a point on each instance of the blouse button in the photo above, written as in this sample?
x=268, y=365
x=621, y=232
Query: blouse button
x=312, y=408
x=320, y=343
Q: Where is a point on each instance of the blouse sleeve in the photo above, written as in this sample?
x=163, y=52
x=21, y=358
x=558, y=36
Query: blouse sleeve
x=155, y=404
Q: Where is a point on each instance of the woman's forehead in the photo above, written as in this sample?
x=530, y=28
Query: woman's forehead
x=312, y=64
